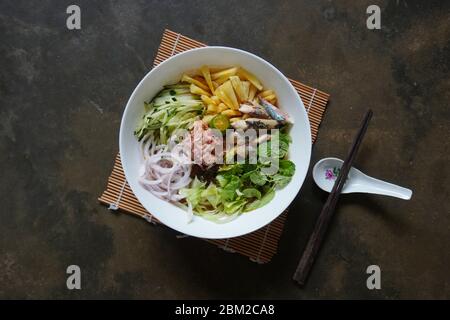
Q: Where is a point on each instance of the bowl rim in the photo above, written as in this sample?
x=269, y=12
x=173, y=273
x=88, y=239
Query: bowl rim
x=307, y=148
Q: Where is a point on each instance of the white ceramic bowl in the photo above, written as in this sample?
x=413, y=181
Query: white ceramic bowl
x=170, y=71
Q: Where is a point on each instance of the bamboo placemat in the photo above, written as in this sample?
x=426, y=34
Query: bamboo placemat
x=260, y=246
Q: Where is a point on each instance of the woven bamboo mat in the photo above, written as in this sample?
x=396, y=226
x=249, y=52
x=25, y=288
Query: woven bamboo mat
x=260, y=246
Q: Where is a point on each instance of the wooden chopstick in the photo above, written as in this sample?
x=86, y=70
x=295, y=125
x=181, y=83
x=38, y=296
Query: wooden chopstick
x=317, y=236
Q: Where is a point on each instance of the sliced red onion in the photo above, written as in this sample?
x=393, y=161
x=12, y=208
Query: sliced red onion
x=162, y=180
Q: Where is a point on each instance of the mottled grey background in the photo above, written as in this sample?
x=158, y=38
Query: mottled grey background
x=62, y=94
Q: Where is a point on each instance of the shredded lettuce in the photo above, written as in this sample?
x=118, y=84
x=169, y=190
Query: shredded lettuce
x=194, y=193
x=261, y=202
x=251, y=193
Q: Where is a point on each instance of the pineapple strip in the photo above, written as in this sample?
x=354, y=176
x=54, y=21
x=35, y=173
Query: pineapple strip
x=231, y=113
x=201, y=80
x=227, y=88
x=238, y=88
x=266, y=93
x=251, y=92
x=246, y=85
x=225, y=73
x=222, y=107
x=212, y=108
x=197, y=90
x=250, y=77
x=207, y=75
x=190, y=80
x=223, y=97
x=207, y=100
x=222, y=80
x=272, y=97
x=216, y=99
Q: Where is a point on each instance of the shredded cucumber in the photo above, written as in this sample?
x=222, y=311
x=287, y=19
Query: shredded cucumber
x=173, y=108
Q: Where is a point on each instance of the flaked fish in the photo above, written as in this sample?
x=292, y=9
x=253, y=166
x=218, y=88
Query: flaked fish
x=274, y=112
x=254, y=110
x=256, y=123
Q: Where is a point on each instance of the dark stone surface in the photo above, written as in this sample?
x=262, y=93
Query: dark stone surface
x=62, y=94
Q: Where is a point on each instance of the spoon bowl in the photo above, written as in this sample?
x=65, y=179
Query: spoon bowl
x=326, y=171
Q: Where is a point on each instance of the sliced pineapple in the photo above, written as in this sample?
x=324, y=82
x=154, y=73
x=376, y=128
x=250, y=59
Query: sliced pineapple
x=207, y=100
x=266, y=93
x=223, y=97
x=250, y=77
x=231, y=113
x=222, y=107
x=251, y=92
x=222, y=80
x=211, y=109
x=271, y=98
x=216, y=99
x=227, y=88
x=224, y=73
x=198, y=90
x=201, y=80
x=207, y=75
x=238, y=88
x=190, y=80
x=246, y=85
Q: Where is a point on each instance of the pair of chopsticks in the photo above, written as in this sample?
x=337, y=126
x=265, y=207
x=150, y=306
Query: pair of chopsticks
x=316, y=238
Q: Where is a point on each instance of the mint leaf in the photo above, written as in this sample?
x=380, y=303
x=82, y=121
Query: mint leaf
x=286, y=168
x=261, y=202
x=251, y=193
x=280, y=181
x=257, y=178
x=229, y=190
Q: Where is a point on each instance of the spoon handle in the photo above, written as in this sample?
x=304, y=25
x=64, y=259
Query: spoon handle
x=388, y=189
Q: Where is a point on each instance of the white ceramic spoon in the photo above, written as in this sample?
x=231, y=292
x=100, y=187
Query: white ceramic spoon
x=325, y=172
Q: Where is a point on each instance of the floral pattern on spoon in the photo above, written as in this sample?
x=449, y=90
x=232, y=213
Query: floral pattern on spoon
x=332, y=174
